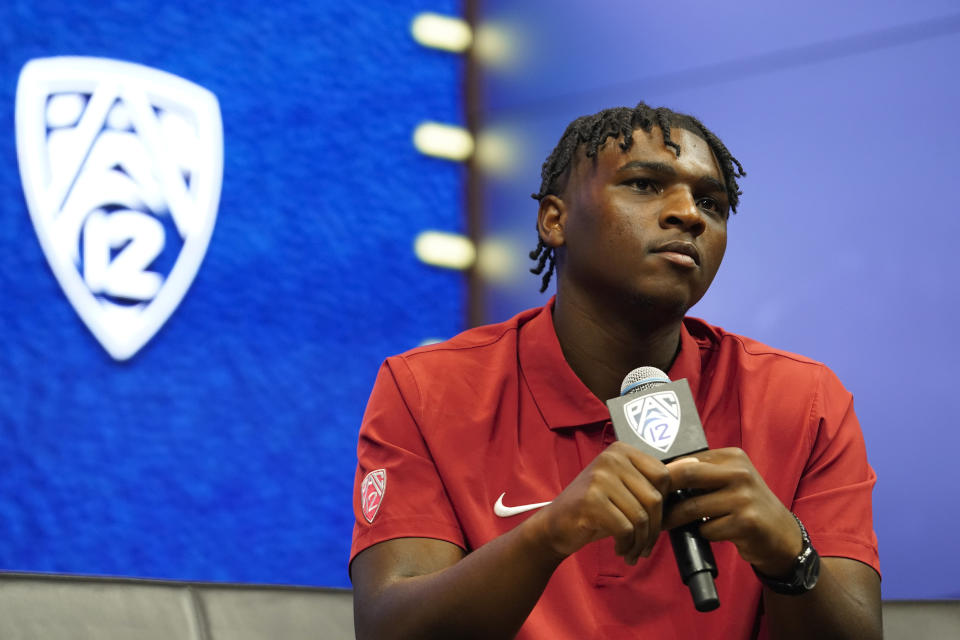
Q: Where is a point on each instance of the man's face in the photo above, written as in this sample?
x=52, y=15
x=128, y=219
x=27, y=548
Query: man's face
x=643, y=225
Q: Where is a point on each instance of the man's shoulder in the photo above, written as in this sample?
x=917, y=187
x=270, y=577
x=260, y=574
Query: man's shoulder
x=714, y=341
x=759, y=372
x=485, y=343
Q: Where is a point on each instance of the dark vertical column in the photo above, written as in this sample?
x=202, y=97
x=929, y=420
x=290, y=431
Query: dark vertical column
x=473, y=104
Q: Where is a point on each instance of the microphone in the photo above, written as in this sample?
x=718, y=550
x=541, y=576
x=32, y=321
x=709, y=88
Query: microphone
x=660, y=418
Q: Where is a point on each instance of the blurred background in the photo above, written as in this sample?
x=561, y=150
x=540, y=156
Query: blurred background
x=378, y=162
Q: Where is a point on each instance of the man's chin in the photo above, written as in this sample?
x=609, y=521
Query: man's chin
x=665, y=307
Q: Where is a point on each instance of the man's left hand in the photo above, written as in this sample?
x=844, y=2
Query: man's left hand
x=739, y=507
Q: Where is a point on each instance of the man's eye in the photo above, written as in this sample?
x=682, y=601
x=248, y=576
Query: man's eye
x=709, y=204
x=643, y=184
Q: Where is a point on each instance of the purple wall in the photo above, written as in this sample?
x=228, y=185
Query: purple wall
x=845, y=118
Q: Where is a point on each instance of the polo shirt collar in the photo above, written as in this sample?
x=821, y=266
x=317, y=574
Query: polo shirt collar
x=562, y=398
x=687, y=363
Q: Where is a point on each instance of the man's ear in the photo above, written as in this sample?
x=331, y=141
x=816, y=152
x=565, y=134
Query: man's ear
x=551, y=220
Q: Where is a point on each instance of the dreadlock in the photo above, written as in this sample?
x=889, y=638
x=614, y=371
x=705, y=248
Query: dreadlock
x=620, y=123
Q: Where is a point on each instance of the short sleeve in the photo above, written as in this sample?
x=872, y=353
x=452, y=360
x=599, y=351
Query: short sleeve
x=397, y=490
x=834, y=496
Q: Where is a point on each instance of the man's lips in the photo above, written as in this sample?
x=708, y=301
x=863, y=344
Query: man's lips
x=684, y=253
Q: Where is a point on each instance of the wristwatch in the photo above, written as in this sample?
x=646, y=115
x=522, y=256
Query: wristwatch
x=806, y=569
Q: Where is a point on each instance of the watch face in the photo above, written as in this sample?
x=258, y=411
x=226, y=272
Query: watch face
x=811, y=569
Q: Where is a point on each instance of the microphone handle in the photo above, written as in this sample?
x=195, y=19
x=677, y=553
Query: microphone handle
x=696, y=563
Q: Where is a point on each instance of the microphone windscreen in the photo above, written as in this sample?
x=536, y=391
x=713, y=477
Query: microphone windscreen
x=641, y=379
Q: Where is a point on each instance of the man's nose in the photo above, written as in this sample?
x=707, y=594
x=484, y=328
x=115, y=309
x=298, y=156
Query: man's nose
x=680, y=210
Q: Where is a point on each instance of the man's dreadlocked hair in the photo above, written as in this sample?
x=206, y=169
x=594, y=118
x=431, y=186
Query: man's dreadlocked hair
x=620, y=123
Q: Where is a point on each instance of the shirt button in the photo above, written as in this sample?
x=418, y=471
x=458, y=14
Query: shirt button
x=609, y=437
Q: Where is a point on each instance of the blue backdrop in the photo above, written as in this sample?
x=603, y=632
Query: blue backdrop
x=225, y=449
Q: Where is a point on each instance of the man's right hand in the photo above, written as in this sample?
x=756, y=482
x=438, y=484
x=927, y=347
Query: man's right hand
x=417, y=587
x=619, y=494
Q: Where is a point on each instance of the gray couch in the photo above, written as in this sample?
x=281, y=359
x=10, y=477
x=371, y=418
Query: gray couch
x=56, y=607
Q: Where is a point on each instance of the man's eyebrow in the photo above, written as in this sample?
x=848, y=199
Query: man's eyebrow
x=657, y=167
x=712, y=184
x=705, y=182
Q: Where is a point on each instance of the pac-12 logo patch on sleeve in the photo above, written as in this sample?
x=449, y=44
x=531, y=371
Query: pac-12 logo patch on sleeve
x=372, y=488
x=121, y=167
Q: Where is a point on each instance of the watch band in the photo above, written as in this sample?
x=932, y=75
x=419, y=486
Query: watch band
x=806, y=569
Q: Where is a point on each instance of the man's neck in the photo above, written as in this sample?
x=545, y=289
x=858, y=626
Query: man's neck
x=604, y=345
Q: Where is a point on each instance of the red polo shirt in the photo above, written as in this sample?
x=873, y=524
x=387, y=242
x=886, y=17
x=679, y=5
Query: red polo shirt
x=497, y=410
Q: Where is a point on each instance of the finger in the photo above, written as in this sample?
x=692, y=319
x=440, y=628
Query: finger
x=728, y=456
x=697, y=507
x=632, y=542
x=651, y=501
x=678, y=462
x=650, y=468
x=717, y=529
x=719, y=456
x=621, y=527
x=705, y=475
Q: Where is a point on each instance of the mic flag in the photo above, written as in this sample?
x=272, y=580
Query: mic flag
x=661, y=421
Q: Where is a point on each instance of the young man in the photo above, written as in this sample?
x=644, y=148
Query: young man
x=492, y=500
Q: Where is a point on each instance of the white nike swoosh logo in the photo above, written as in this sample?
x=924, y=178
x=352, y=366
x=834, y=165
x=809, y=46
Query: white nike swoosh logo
x=505, y=512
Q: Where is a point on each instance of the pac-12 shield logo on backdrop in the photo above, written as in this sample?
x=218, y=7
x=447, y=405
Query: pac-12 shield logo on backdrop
x=121, y=167
x=372, y=488
x=655, y=418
